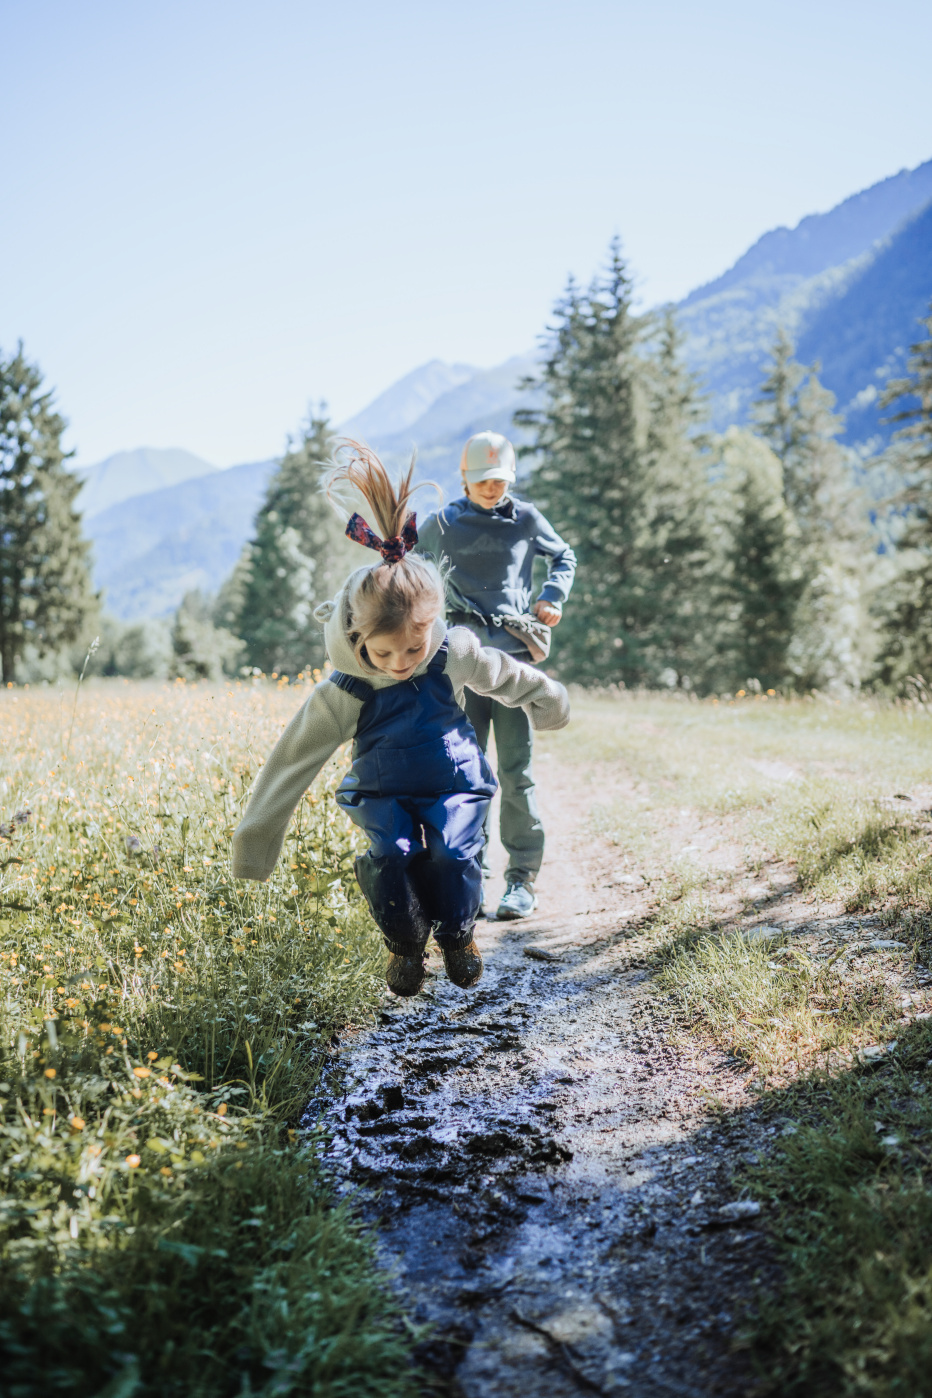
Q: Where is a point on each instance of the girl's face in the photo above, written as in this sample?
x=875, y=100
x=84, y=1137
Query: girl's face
x=399, y=653
x=485, y=493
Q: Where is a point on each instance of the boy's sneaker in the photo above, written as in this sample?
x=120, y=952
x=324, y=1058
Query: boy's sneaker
x=520, y=900
x=405, y=974
x=464, y=965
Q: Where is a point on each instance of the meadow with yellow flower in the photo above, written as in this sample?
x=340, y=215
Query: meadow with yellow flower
x=164, y=1224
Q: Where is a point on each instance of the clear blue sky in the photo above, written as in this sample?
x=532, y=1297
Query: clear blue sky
x=215, y=211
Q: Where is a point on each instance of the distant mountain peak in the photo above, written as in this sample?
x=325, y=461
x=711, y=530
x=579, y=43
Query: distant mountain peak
x=848, y=285
x=130, y=473
x=407, y=400
x=821, y=241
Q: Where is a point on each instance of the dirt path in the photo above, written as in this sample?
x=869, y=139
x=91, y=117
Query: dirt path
x=544, y=1171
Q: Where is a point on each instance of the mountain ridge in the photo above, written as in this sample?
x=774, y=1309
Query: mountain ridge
x=863, y=336
x=853, y=304
x=152, y=549
x=405, y=401
x=791, y=279
x=863, y=219
x=125, y=474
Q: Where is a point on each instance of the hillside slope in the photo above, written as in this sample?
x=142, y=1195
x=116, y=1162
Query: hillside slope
x=150, y=550
x=793, y=278
x=820, y=241
x=487, y=400
x=863, y=335
x=129, y=473
x=406, y=401
x=848, y=284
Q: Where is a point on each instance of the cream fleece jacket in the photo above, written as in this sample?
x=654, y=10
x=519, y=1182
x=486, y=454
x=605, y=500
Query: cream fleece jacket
x=329, y=717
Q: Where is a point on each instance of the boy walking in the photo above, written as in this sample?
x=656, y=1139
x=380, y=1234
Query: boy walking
x=491, y=539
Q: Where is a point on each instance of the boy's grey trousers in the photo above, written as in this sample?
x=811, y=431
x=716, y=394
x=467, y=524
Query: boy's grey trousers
x=521, y=830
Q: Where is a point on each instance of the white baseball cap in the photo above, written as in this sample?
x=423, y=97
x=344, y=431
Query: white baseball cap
x=488, y=456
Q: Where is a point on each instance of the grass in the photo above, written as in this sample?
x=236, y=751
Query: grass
x=778, y=1009
x=812, y=789
x=808, y=797
x=849, y=1187
x=165, y=1225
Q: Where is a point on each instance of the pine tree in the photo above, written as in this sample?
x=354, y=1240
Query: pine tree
x=590, y=472
x=794, y=415
x=139, y=650
x=759, y=591
x=914, y=442
x=297, y=559
x=906, y=610
x=201, y=650
x=620, y=472
x=675, y=550
x=227, y=608
x=46, y=597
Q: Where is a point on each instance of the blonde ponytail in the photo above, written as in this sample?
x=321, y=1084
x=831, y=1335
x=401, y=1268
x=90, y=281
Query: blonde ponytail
x=403, y=589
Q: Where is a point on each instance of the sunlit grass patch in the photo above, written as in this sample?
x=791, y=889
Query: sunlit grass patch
x=821, y=1016
x=161, y=1029
x=636, y=831
x=720, y=757
x=776, y=1007
x=814, y=788
x=849, y=843
x=806, y=782
x=683, y=909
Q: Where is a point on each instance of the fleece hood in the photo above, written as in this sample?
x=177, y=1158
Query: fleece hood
x=340, y=652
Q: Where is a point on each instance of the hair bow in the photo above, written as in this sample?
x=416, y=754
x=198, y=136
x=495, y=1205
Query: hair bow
x=392, y=550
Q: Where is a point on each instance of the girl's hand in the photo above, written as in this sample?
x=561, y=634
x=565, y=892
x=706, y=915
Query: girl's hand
x=547, y=614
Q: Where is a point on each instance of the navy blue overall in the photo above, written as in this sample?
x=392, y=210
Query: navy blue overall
x=420, y=788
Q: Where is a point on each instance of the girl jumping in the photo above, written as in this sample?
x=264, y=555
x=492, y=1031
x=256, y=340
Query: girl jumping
x=419, y=784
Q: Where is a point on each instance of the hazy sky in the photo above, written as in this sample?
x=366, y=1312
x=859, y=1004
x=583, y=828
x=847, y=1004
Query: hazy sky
x=216, y=211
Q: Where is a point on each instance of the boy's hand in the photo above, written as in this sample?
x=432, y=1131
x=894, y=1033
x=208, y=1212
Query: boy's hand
x=550, y=616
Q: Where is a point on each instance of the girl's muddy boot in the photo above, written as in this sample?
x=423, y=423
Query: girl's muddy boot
x=405, y=973
x=397, y=910
x=463, y=964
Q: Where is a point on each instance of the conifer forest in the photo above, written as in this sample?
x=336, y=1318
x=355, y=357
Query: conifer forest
x=765, y=557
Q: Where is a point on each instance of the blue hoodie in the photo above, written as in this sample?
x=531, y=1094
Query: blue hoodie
x=492, y=555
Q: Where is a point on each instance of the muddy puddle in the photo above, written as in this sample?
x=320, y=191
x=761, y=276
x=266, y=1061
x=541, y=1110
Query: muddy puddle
x=548, y=1187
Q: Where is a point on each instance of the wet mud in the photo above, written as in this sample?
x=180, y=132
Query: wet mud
x=548, y=1185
